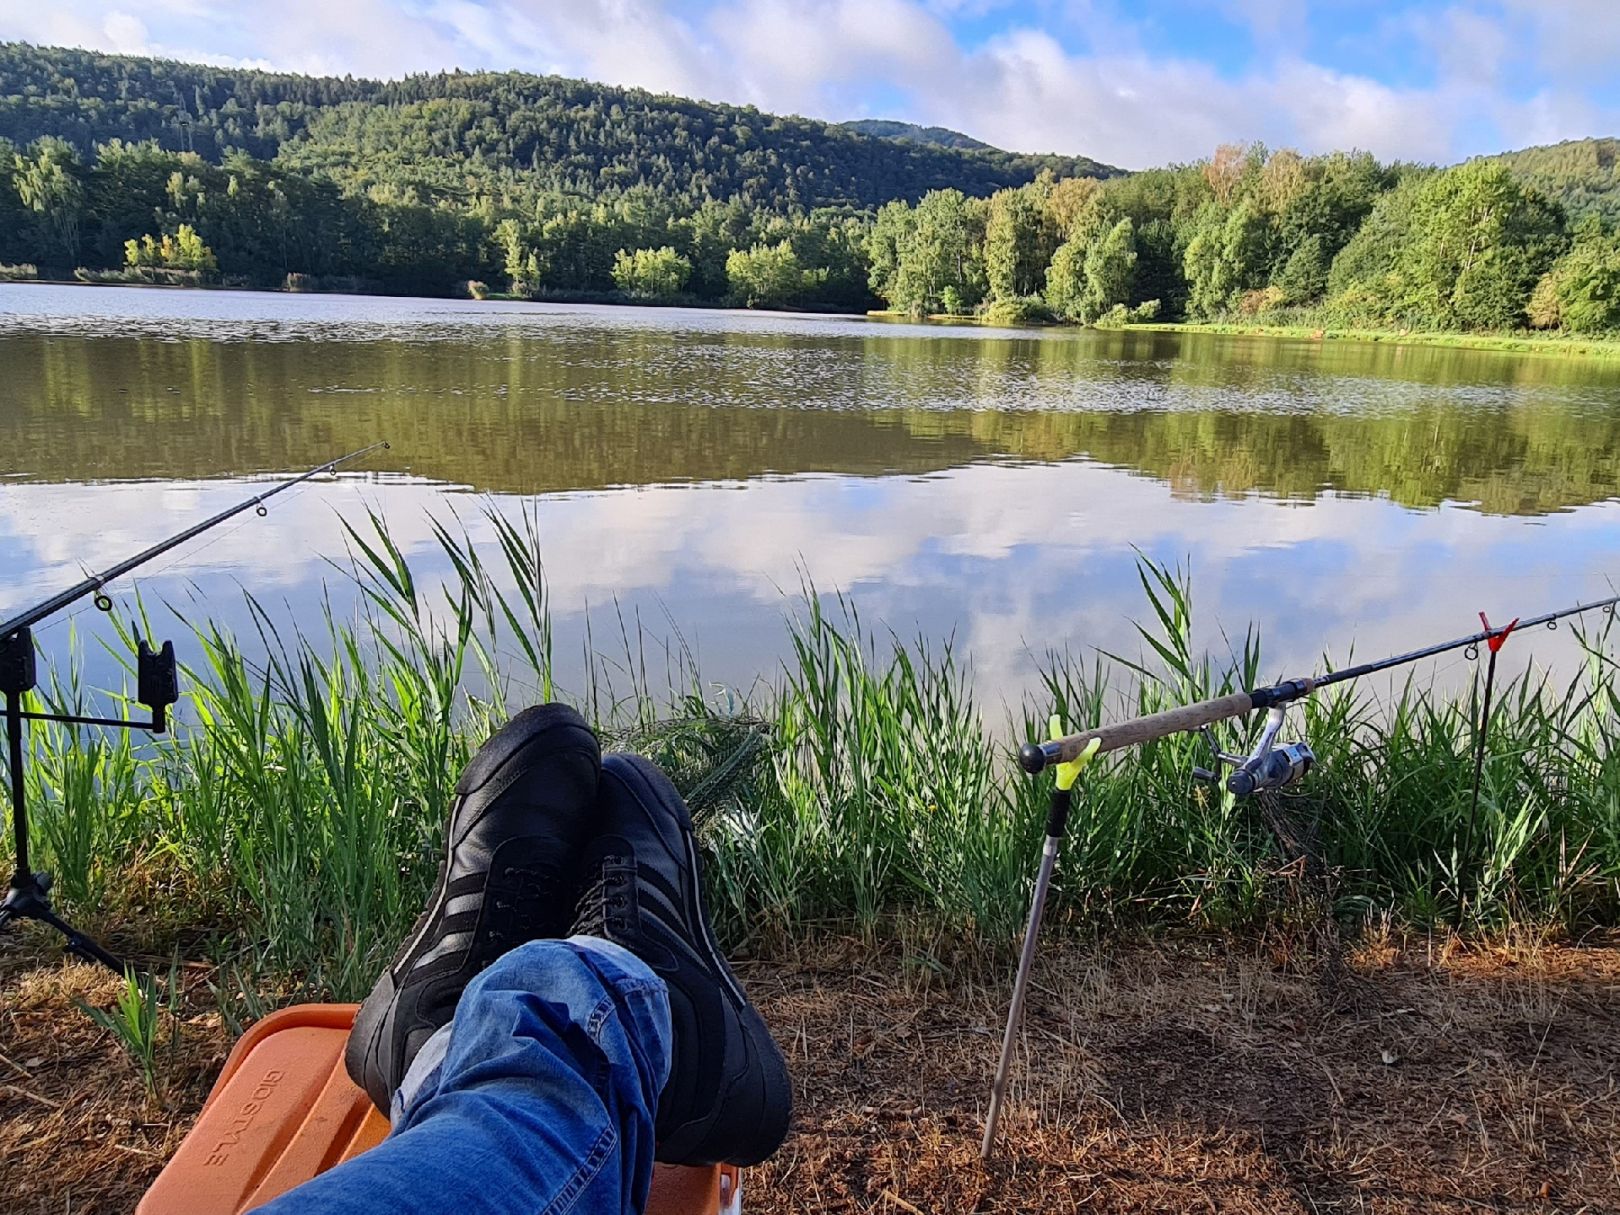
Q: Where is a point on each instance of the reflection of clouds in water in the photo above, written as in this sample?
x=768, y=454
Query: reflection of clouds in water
x=1009, y=558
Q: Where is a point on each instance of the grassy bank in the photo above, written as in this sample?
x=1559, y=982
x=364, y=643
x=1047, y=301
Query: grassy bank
x=1523, y=342
x=289, y=832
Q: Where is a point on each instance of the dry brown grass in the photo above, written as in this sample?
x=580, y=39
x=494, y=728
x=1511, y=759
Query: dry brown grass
x=1183, y=1076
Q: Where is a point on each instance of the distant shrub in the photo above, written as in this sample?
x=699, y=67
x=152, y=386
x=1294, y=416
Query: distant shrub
x=652, y=274
x=1261, y=302
x=343, y=284
x=19, y=273
x=159, y=276
x=181, y=250
x=1018, y=310
x=1119, y=315
x=767, y=276
x=1581, y=293
x=475, y=289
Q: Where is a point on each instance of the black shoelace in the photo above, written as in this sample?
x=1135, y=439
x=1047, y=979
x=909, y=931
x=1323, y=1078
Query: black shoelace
x=601, y=907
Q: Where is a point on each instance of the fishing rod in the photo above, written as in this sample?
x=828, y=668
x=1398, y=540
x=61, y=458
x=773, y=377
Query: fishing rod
x=1267, y=767
x=157, y=687
x=1034, y=757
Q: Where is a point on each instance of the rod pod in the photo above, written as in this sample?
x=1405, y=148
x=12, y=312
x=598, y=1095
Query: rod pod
x=27, y=897
x=1057, y=820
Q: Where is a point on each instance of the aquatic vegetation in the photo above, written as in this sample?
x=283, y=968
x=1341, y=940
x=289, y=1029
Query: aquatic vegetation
x=293, y=817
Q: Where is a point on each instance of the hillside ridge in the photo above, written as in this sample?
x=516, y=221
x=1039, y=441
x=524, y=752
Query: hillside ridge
x=447, y=133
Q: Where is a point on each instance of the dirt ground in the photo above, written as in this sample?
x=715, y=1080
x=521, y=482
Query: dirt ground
x=1180, y=1076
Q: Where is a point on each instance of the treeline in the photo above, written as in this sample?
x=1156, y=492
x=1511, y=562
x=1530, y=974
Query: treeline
x=244, y=222
x=123, y=168
x=137, y=212
x=1268, y=236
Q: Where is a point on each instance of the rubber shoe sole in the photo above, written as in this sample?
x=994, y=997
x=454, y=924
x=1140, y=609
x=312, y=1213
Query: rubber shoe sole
x=762, y=1089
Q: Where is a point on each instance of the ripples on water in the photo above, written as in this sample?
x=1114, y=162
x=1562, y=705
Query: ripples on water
x=692, y=466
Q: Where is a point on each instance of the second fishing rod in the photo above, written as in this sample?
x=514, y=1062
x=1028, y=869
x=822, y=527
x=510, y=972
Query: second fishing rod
x=1268, y=767
x=1034, y=757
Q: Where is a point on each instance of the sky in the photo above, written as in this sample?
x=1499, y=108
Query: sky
x=1134, y=83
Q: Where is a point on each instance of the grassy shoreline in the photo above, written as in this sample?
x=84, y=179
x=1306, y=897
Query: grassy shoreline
x=1518, y=343
x=862, y=790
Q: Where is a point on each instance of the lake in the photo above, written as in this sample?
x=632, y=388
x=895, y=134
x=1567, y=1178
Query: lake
x=692, y=470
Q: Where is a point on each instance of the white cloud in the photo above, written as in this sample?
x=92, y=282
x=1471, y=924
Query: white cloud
x=1573, y=40
x=979, y=551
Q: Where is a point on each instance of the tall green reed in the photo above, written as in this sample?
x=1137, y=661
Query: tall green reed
x=298, y=812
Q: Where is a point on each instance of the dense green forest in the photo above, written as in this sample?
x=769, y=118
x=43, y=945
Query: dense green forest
x=417, y=184
x=1523, y=241
x=128, y=169
x=886, y=128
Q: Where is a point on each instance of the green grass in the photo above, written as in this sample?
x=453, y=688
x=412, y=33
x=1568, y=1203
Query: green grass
x=1523, y=342
x=289, y=830
x=136, y=1019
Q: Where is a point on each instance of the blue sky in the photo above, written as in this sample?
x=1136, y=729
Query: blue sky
x=1135, y=84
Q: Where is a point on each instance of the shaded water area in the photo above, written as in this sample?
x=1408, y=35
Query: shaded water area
x=691, y=470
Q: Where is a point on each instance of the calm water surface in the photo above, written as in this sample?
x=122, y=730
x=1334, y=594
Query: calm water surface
x=693, y=468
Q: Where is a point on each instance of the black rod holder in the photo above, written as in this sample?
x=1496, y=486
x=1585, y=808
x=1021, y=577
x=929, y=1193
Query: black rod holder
x=27, y=895
x=157, y=688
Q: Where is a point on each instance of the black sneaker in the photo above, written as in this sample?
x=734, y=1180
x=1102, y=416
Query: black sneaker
x=727, y=1098
x=522, y=811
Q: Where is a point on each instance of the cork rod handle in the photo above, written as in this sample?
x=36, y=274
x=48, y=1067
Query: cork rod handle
x=1156, y=725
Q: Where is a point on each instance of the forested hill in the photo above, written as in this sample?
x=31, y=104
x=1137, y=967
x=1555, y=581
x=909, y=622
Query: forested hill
x=1580, y=173
x=456, y=133
x=118, y=169
x=888, y=128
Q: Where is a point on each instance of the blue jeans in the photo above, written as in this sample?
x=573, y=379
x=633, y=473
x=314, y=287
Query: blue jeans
x=538, y=1097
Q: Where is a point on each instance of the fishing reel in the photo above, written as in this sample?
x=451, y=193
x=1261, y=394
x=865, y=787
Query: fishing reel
x=1268, y=766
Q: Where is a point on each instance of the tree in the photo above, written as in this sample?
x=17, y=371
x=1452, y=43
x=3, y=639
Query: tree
x=1460, y=249
x=657, y=274
x=183, y=251
x=1085, y=281
x=887, y=244
x=1225, y=257
x=1067, y=200
x=522, y=261
x=1110, y=267
x=945, y=251
x=1483, y=239
x=709, y=235
x=766, y=276
x=1304, y=276
x=1017, y=245
x=1066, y=280
x=1581, y=293
x=48, y=184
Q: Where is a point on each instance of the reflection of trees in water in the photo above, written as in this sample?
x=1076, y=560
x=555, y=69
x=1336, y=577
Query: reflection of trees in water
x=575, y=408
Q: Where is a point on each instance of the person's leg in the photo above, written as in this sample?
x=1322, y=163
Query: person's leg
x=539, y=1096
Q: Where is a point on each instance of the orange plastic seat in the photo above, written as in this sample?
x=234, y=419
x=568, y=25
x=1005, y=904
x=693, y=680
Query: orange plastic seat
x=284, y=1110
